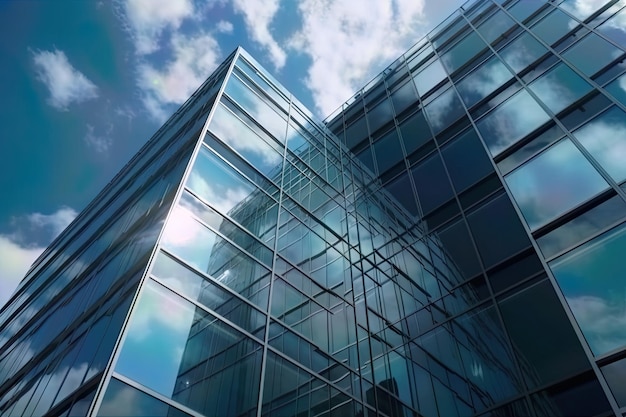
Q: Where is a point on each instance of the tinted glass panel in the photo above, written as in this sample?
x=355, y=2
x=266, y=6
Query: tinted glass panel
x=524, y=8
x=431, y=181
x=553, y=182
x=605, y=138
x=495, y=26
x=507, y=124
x=615, y=375
x=560, y=87
x=202, y=362
x=592, y=54
x=543, y=336
x=618, y=89
x=553, y=27
x=444, y=110
x=525, y=152
x=379, y=115
x=457, y=247
x=388, y=151
x=497, y=231
x=429, y=77
x=462, y=52
x=522, y=52
x=415, y=132
x=402, y=190
x=123, y=400
x=615, y=29
x=485, y=80
x=463, y=152
x=578, y=398
x=404, y=97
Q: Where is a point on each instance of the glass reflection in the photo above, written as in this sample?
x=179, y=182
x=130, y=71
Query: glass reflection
x=523, y=51
x=123, y=400
x=506, y=124
x=495, y=26
x=615, y=27
x=429, y=77
x=444, y=110
x=486, y=79
x=553, y=27
x=462, y=52
x=592, y=54
x=559, y=87
x=202, y=363
x=553, y=182
x=591, y=280
x=605, y=138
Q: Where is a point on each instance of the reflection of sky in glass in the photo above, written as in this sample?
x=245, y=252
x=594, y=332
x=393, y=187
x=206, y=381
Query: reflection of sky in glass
x=592, y=280
x=429, y=77
x=592, y=53
x=522, y=51
x=553, y=182
x=615, y=27
x=618, y=89
x=520, y=115
x=605, y=138
x=559, y=87
x=444, y=110
x=491, y=75
x=157, y=334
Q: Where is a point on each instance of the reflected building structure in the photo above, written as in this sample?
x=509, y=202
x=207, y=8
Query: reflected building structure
x=447, y=243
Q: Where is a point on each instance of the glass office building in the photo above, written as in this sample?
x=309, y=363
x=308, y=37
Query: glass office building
x=447, y=243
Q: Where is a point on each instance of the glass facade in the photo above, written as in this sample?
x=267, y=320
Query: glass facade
x=447, y=243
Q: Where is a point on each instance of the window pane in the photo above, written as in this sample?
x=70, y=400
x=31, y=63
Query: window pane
x=553, y=27
x=404, y=97
x=615, y=375
x=444, y=110
x=495, y=26
x=415, y=132
x=553, y=182
x=188, y=355
x=615, y=28
x=506, y=124
x=543, y=335
x=522, y=52
x=379, y=115
x=524, y=8
x=123, y=400
x=591, y=54
x=559, y=87
x=401, y=189
x=618, y=89
x=462, y=52
x=591, y=277
x=388, y=151
x=431, y=181
x=605, y=138
x=457, y=155
x=486, y=79
x=429, y=77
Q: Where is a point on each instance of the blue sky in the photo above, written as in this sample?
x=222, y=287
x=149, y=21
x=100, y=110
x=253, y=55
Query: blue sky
x=85, y=83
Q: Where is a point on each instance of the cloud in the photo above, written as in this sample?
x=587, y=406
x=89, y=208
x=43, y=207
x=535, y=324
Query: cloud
x=348, y=44
x=194, y=59
x=100, y=143
x=147, y=19
x=603, y=322
x=224, y=26
x=258, y=16
x=17, y=250
x=65, y=84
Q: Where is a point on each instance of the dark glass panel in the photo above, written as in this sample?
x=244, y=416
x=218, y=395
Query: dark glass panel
x=516, y=272
x=497, y=231
x=404, y=97
x=524, y=8
x=590, y=278
x=402, y=190
x=583, y=226
x=495, y=26
x=457, y=248
x=580, y=397
x=542, y=336
x=356, y=132
x=185, y=353
x=553, y=27
x=506, y=124
x=431, y=182
x=444, y=110
x=415, y=132
x=379, y=115
x=615, y=28
x=615, y=375
x=388, y=151
x=586, y=110
x=592, y=54
x=462, y=52
x=605, y=139
x=483, y=81
x=553, y=182
x=544, y=139
x=464, y=152
x=121, y=399
x=559, y=87
x=618, y=89
x=523, y=51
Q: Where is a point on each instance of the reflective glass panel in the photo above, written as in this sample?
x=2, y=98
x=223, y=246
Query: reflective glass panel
x=431, y=181
x=123, y=400
x=507, y=124
x=404, y=97
x=592, y=54
x=559, y=87
x=496, y=25
x=522, y=52
x=553, y=182
x=605, y=138
x=429, y=77
x=379, y=115
x=615, y=374
x=581, y=10
x=591, y=278
x=444, y=110
x=186, y=354
x=464, y=152
x=482, y=82
x=402, y=190
x=415, y=132
x=618, y=89
x=553, y=27
x=388, y=151
x=524, y=8
x=615, y=28
x=462, y=52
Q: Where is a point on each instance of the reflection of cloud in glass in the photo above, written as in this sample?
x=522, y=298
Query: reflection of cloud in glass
x=429, y=77
x=582, y=9
x=553, y=182
x=223, y=200
x=483, y=81
x=603, y=322
x=559, y=87
x=605, y=138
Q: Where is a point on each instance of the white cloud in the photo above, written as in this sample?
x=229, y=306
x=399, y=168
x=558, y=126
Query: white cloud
x=602, y=322
x=65, y=84
x=100, y=143
x=349, y=43
x=224, y=26
x=16, y=256
x=258, y=16
x=194, y=59
x=147, y=19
